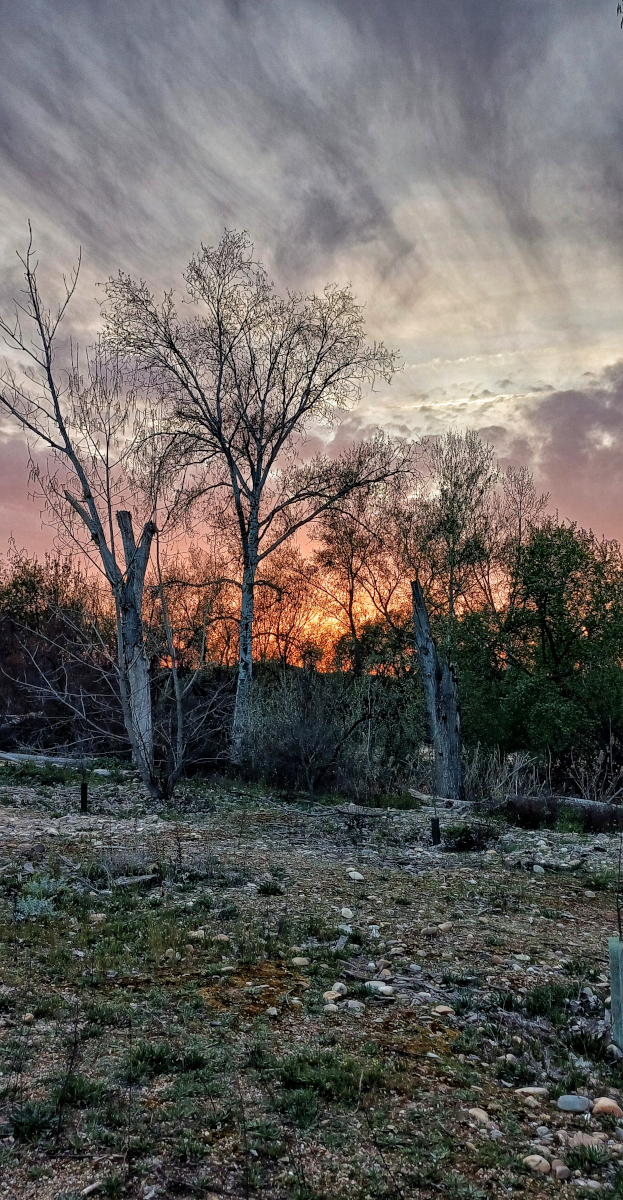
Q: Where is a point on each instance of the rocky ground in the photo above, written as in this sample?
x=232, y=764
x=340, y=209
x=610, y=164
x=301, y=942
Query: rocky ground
x=248, y=997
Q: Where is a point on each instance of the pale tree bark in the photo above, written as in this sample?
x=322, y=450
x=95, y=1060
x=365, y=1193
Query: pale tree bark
x=442, y=701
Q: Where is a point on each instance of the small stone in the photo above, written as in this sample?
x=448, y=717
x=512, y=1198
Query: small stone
x=589, y=1185
x=585, y=1139
x=537, y=1163
x=272, y=1012
x=445, y=927
x=300, y=962
x=531, y=1102
x=28, y=1018
x=479, y=1115
x=443, y=1010
x=355, y=1006
x=589, y=895
x=296, y=1003
x=355, y=876
x=605, y=1104
x=220, y=937
x=197, y=935
x=347, y=914
x=531, y=1091
x=414, y=968
x=371, y=966
x=340, y=989
x=331, y=996
x=430, y=930
x=580, y=1104
x=97, y=917
x=614, y=1053
x=538, y=870
x=560, y=1170
x=170, y=953
x=385, y=974
x=329, y=1009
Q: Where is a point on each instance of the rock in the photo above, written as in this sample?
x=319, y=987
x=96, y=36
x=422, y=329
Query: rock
x=385, y=974
x=272, y=1012
x=613, y=1052
x=605, y=1104
x=355, y=1006
x=414, y=968
x=379, y=988
x=371, y=966
x=331, y=996
x=443, y=1010
x=531, y=1102
x=196, y=935
x=347, y=914
x=589, y=1185
x=585, y=1139
x=537, y=1163
x=296, y=1003
x=355, y=876
x=96, y=918
x=479, y=1115
x=618, y=1133
x=340, y=989
x=579, y=1104
x=532, y=1091
x=300, y=962
x=220, y=937
x=170, y=953
x=28, y=1018
x=589, y=895
x=330, y=1009
x=560, y=1170
x=538, y=870
x=445, y=927
x=430, y=930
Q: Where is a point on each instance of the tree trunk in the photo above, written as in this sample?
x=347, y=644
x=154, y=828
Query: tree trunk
x=133, y=655
x=442, y=702
x=245, y=664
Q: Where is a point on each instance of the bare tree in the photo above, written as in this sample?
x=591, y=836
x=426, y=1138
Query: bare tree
x=245, y=375
x=86, y=424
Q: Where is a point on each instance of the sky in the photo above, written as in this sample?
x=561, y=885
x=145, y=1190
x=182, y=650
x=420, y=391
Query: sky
x=459, y=162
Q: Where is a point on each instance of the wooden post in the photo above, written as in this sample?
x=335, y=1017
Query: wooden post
x=84, y=797
x=615, y=946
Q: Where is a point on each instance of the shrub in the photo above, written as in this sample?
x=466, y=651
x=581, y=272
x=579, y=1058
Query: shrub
x=32, y=1122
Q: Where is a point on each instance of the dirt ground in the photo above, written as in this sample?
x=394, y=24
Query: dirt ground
x=165, y=1028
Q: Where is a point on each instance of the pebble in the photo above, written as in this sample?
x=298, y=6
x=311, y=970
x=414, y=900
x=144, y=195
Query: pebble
x=196, y=935
x=271, y=1012
x=560, y=1170
x=355, y=876
x=379, y=988
x=385, y=974
x=220, y=937
x=580, y=1104
x=330, y=1008
x=479, y=1115
x=355, y=1006
x=605, y=1104
x=537, y=1163
x=589, y=1185
x=589, y=895
x=300, y=962
x=414, y=968
x=340, y=989
x=443, y=1010
x=538, y=870
x=331, y=996
x=347, y=914
x=531, y=1091
x=28, y=1018
x=445, y=926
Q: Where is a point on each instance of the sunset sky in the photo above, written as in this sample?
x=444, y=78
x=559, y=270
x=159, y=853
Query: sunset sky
x=459, y=161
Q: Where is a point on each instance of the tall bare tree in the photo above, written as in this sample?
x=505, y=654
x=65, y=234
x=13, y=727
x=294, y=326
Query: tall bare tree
x=245, y=375
x=85, y=423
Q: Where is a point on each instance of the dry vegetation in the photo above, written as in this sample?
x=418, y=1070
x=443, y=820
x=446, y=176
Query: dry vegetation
x=158, y=1038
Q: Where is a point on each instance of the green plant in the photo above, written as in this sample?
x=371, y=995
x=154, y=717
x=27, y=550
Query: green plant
x=270, y=887
x=301, y=1105
x=78, y=1092
x=334, y=1078
x=586, y=1156
x=31, y=1122
x=112, y=1187
x=549, y=1000
x=457, y=1187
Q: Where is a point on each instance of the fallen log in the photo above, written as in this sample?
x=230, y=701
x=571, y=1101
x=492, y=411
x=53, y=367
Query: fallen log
x=44, y=760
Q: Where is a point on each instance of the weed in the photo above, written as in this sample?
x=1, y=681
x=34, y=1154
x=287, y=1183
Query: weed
x=588, y=1045
x=549, y=1000
x=463, y=837
x=148, y=1059
x=457, y=1187
x=270, y=887
x=193, y=1059
x=520, y=1073
x=78, y=1092
x=31, y=1122
x=301, y=1106
x=582, y=1157
x=329, y=1076
x=112, y=1187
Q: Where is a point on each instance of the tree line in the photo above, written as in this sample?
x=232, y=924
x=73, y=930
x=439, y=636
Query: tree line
x=432, y=599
